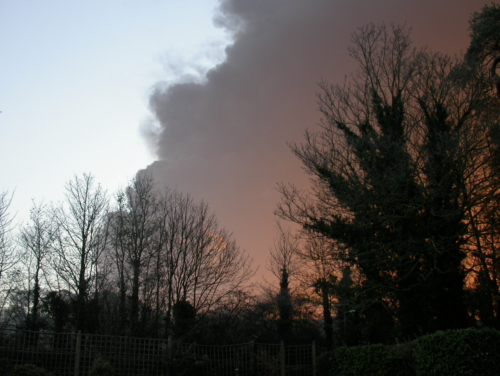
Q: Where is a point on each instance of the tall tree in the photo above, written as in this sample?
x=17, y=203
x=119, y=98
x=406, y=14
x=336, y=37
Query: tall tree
x=137, y=226
x=203, y=264
x=169, y=251
x=82, y=237
x=483, y=56
x=284, y=264
x=323, y=270
x=484, y=48
x=37, y=240
x=8, y=257
x=392, y=169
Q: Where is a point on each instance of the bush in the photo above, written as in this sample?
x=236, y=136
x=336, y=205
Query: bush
x=373, y=360
x=29, y=370
x=324, y=363
x=191, y=365
x=452, y=353
x=458, y=353
x=101, y=367
x=5, y=366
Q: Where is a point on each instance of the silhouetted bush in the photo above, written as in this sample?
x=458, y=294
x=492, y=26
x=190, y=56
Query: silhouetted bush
x=373, y=360
x=324, y=364
x=30, y=370
x=458, y=352
x=461, y=352
x=101, y=367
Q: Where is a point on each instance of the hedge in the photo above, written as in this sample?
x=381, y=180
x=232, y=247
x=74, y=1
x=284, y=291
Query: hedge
x=30, y=370
x=451, y=353
x=458, y=352
x=376, y=360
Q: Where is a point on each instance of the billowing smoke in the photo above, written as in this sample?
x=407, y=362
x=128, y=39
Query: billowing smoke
x=225, y=140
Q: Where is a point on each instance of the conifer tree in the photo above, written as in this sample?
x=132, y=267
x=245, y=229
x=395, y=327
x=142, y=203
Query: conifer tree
x=393, y=169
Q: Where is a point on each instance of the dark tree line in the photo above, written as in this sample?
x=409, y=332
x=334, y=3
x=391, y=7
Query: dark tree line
x=149, y=262
x=142, y=264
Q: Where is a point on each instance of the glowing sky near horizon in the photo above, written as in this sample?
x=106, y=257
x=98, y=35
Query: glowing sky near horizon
x=77, y=79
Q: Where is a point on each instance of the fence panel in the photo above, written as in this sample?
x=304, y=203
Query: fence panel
x=299, y=360
x=52, y=351
x=128, y=356
x=58, y=352
x=268, y=359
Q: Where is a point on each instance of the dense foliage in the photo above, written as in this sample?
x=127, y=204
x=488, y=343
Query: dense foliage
x=373, y=360
x=404, y=189
x=458, y=352
x=453, y=352
x=29, y=370
x=101, y=367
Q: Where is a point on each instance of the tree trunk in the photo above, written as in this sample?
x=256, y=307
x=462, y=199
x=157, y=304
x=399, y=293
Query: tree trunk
x=327, y=317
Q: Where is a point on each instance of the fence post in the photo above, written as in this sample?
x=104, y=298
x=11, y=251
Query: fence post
x=78, y=352
x=252, y=357
x=282, y=356
x=170, y=345
x=314, y=357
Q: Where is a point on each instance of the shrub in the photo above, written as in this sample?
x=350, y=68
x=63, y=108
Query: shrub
x=458, y=353
x=373, y=360
x=324, y=363
x=29, y=370
x=101, y=367
x=5, y=366
x=452, y=353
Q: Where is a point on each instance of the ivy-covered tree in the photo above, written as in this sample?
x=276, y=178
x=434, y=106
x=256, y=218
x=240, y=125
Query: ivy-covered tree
x=394, y=167
x=483, y=56
x=485, y=40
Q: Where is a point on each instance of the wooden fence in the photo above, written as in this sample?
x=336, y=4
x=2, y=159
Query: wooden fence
x=72, y=354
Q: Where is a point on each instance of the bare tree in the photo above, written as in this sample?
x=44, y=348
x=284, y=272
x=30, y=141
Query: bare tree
x=8, y=257
x=323, y=271
x=136, y=226
x=169, y=251
x=37, y=240
x=283, y=254
x=283, y=263
x=82, y=225
x=202, y=263
x=118, y=255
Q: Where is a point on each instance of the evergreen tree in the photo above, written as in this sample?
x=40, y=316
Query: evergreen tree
x=393, y=169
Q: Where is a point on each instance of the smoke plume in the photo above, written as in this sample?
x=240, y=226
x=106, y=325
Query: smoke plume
x=225, y=140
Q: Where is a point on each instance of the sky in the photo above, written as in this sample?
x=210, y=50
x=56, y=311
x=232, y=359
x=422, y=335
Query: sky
x=75, y=78
x=204, y=95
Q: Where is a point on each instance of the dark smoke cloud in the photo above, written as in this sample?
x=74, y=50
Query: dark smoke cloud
x=224, y=140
